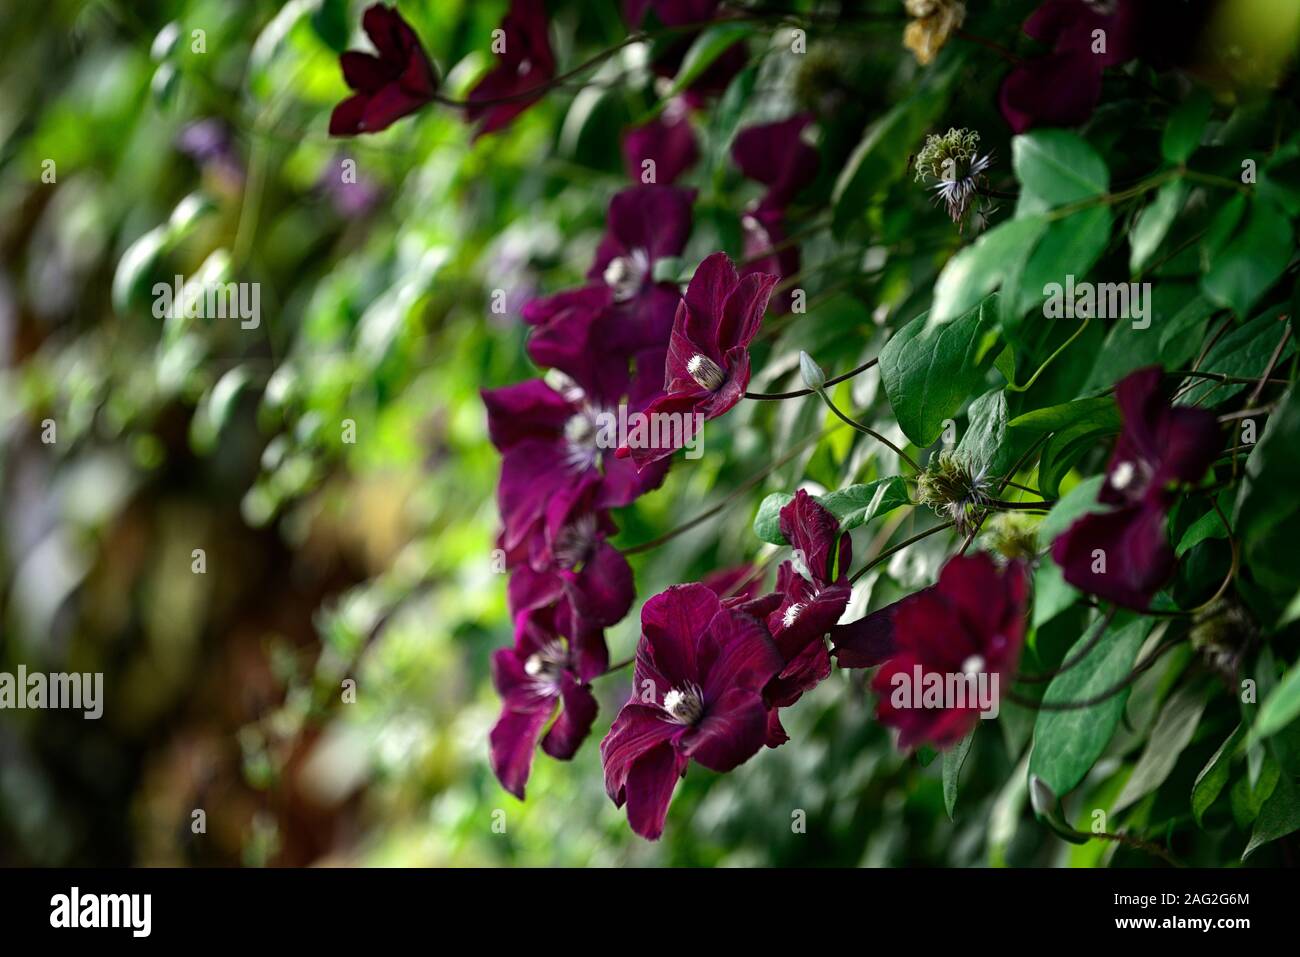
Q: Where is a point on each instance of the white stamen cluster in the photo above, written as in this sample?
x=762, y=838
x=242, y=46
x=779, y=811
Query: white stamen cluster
x=1122, y=475
x=626, y=274
x=580, y=435
x=546, y=664
x=685, y=705
x=705, y=372
x=575, y=541
x=792, y=614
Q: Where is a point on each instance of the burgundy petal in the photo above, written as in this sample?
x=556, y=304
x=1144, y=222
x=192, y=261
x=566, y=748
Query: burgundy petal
x=813, y=531
x=667, y=141
x=867, y=642
x=732, y=732
x=650, y=784
x=734, y=651
x=530, y=409
x=637, y=730
x=670, y=624
x=743, y=311
x=606, y=584
x=1130, y=541
x=574, y=722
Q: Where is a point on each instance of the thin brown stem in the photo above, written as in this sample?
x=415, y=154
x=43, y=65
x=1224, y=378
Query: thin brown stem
x=776, y=396
x=867, y=430
x=897, y=548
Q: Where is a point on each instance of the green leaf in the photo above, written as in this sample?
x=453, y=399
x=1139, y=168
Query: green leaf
x=1153, y=224
x=985, y=438
x=1056, y=168
x=1242, y=353
x=1068, y=742
x=1047, y=808
x=1065, y=448
x=136, y=267
x=1251, y=261
x=1279, y=816
x=332, y=24
x=1052, y=593
x=215, y=408
x=1272, y=474
x=881, y=158
x=767, y=523
x=1185, y=128
x=978, y=269
x=852, y=506
x=711, y=43
x=1078, y=502
x=1069, y=247
x=1209, y=783
x=1280, y=708
x=1171, y=734
x=929, y=370
x=1206, y=527
x=858, y=504
x=953, y=759
x=1100, y=410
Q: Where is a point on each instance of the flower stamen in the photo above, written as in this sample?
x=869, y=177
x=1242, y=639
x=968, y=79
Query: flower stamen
x=705, y=372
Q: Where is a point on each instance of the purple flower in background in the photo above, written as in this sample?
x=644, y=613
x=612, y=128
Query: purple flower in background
x=708, y=355
x=697, y=693
x=592, y=332
x=394, y=83
x=775, y=155
x=1124, y=555
x=814, y=590
x=208, y=142
x=1063, y=87
x=526, y=64
x=666, y=145
x=646, y=224
x=971, y=623
x=352, y=195
x=542, y=673
x=568, y=560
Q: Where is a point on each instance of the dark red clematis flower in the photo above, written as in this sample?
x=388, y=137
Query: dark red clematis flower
x=526, y=65
x=814, y=592
x=667, y=142
x=697, y=693
x=645, y=224
x=569, y=556
x=590, y=333
x=1063, y=87
x=775, y=155
x=1124, y=555
x=543, y=672
x=971, y=623
x=394, y=83
x=708, y=355
x=552, y=458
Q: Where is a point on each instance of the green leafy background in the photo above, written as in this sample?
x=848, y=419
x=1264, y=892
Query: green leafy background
x=372, y=560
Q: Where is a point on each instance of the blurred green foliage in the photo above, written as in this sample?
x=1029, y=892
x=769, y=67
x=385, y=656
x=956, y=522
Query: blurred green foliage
x=329, y=560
